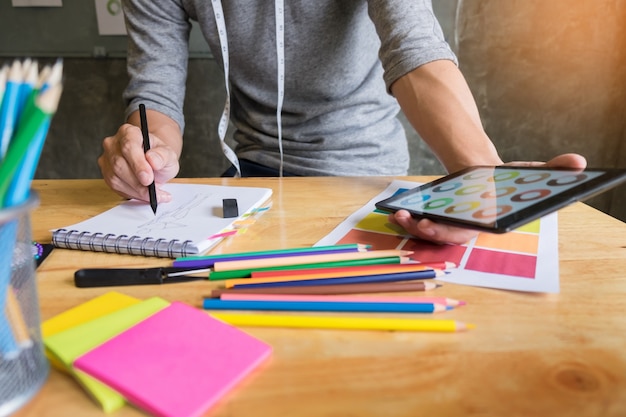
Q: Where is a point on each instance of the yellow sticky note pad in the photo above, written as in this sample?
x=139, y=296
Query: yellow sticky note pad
x=87, y=311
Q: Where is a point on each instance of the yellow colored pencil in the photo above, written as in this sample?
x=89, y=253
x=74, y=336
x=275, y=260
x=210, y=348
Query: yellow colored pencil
x=306, y=259
x=344, y=323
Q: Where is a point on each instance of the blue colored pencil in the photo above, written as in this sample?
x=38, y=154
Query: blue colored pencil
x=9, y=108
x=359, y=279
x=3, y=81
x=24, y=121
x=30, y=77
x=19, y=190
x=29, y=125
x=329, y=306
x=8, y=233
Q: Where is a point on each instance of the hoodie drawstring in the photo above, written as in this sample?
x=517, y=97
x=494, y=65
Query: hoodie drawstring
x=280, y=64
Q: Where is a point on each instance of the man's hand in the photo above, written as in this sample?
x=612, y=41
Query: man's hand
x=125, y=167
x=441, y=233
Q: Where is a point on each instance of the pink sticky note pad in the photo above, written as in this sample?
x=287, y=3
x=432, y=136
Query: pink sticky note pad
x=176, y=363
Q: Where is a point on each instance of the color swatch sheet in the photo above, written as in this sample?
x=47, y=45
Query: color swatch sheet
x=526, y=259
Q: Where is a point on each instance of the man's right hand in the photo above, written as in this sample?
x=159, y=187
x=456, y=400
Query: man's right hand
x=125, y=167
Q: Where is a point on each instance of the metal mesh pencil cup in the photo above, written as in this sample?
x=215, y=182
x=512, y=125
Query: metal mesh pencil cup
x=23, y=365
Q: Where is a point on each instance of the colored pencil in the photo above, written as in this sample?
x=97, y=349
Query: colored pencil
x=8, y=232
x=45, y=106
x=328, y=306
x=344, y=298
x=340, y=273
x=382, y=287
x=16, y=319
x=30, y=76
x=307, y=259
x=9, y=109
x=19, y=189
x=359, y=268
x=3, y=81
x=247, y=273
x=343, y=323
x=208, y=261
x=24, y=120
x=51, y=75
x=359, y=247
x=360, y=279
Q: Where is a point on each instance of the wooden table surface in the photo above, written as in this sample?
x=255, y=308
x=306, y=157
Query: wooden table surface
x=530, y=354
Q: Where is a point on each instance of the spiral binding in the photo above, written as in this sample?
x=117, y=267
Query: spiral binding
x=122, y=244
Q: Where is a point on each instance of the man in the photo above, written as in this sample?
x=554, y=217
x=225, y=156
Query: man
x=315, y=89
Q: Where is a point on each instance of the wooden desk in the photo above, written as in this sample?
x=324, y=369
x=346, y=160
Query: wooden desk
x=530, y=355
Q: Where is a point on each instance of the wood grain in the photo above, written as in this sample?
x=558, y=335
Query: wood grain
x=530, y=354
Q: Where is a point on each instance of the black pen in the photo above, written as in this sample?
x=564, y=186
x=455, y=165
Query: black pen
x=146, y=148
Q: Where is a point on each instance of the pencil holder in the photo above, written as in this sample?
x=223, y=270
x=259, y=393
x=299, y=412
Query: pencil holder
x=23, y=365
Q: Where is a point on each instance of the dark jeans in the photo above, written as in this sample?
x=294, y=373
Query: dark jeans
x=252, y=169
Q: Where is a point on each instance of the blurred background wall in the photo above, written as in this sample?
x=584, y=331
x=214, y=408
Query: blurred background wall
x=548, y=76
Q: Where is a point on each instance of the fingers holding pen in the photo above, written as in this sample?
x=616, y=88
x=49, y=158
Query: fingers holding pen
x=128, y=170
x=114, y=167
x=164, y=163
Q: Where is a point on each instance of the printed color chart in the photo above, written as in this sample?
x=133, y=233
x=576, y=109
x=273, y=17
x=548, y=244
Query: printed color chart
x=525, y=259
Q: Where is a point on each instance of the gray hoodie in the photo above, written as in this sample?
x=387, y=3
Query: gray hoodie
x=341, y=57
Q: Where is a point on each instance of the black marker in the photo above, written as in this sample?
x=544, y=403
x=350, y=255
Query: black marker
x=104, y=277
x=146, y=148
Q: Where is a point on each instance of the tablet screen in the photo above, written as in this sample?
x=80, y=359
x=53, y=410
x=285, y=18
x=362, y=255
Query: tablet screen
x=496, y=197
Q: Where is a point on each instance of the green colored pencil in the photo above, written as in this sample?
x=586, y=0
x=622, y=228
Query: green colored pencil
x=356, y=246
x=246, y=273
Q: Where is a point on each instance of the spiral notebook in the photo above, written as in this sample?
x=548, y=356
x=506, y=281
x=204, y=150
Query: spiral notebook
x=191, y=224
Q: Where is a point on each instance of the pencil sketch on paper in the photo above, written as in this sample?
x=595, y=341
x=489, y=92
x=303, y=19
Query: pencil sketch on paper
x=178, y=218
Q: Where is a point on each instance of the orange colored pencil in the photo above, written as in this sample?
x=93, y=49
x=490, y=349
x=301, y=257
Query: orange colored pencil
x=352, y=270
x=341, y=272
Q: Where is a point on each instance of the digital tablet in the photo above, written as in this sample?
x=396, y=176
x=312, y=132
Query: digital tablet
x=499, y=199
